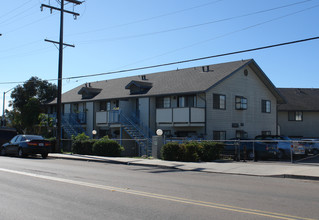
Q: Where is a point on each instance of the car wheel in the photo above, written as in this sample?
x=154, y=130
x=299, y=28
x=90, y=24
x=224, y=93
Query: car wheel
x=20, y=153
x=315, y=151
x=44, y=155
x=3, y=151
x=280, y=154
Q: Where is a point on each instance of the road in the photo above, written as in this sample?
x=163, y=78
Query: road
x=35, y=188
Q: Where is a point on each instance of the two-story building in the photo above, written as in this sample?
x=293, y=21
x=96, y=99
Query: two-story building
x=299, y=116
x=220, y=101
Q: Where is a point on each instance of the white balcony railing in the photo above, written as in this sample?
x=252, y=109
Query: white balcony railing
x=106, y=117
x=180, y=115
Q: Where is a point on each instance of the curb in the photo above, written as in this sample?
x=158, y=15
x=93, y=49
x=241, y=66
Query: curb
x=100, y=160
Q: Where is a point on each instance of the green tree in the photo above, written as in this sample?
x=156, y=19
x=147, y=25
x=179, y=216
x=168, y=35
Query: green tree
x=28, y=101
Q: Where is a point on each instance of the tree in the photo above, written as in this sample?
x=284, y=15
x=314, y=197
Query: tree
x=28, y=101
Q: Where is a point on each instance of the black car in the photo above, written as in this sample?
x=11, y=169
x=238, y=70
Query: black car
x=23, y=145
x=250, y=149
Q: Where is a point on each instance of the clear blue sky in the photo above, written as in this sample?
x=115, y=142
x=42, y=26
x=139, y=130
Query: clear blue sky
x=123, y=34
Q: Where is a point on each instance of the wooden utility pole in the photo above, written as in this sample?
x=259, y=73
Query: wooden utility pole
x=61, y=44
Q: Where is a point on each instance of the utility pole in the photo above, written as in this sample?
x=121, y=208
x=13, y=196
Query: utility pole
x=61, y=44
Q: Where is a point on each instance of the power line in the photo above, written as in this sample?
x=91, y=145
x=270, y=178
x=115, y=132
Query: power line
x=195, y=25
x=20, y=6
x=223, y=35
x=182, y=61
x=17, y=16
x=151, y=18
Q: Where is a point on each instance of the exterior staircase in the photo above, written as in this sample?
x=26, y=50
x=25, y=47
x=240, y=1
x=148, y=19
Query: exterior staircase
x=136, y=132
x=70, y=125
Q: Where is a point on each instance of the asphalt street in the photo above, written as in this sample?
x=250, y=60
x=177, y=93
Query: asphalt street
x=35, y=188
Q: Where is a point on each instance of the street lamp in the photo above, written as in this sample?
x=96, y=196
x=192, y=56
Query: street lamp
x=4, y=103
x=94, y=132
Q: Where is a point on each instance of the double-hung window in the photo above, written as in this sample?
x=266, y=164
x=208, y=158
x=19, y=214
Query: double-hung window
x=163, y=102
x=240, y=103
x=265, y=106
x=219, y=101
x=219, y=135
x=295, y=116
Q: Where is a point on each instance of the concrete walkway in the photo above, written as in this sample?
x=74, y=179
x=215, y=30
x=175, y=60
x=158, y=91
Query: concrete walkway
x=264, y=168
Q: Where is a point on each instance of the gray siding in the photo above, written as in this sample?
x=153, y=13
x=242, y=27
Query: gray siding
x=308, y=127
x=90, y=118
x=252, y=119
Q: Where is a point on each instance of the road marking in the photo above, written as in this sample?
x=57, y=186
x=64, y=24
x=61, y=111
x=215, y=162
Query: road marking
x=160, y=196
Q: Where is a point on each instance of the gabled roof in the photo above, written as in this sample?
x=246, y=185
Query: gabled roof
x=180, y=81
x=299, y=99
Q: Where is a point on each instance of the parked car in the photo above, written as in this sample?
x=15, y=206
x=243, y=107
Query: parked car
x=247, y=148
x=311, y=145
x=285, y=145
x=23, y=145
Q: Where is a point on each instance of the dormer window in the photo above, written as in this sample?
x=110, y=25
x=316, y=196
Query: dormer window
x=138, y=87
x=89, y=92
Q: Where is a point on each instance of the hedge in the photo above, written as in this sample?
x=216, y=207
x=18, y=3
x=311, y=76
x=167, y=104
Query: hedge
x=106, y=147
x=192, y=151
x=102, y=147
x=83, y=146
x=172, y=151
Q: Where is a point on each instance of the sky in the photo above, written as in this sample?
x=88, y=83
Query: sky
x=125, y=34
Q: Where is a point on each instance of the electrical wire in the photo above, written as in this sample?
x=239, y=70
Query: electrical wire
x=17, y=17
x=179, y=62
x=13, y=10
x=191, y=26
x=148, y=19
x=220, y=36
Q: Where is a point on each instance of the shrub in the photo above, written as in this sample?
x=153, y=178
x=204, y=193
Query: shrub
x=107, y=147
x=191, y=151
x=83, y=146
x=171, y=151
x=210, y=150
x=80, y=137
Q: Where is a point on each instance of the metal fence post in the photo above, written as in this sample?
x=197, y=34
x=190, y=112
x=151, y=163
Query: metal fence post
x=291, y=154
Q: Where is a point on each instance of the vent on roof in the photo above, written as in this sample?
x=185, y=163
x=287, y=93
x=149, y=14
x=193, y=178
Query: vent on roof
x=206, y=69
x=143, y=77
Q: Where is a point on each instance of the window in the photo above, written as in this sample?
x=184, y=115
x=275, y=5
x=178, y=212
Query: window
x=265, y=106
x=75, y=107
x=219, y=135
x=163, y=102
x=102, y=106
x=241, y=134
x=265, y=133
x=187, y=101
x=219, y=101
x=240, y=103
x=295, y=116
x=108, y=106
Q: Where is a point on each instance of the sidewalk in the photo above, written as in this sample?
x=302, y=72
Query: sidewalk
x=250, y=168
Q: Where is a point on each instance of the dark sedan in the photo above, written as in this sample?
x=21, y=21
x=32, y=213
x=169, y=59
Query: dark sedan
x=23, y=145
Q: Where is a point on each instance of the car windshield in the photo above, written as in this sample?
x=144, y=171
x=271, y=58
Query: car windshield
x=33, y=137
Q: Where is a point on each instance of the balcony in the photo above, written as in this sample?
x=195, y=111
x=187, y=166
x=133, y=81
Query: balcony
x=180, y=117
x=107, y=117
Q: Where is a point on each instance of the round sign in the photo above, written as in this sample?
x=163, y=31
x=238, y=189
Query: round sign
x=159, y=132
x=94, y=132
